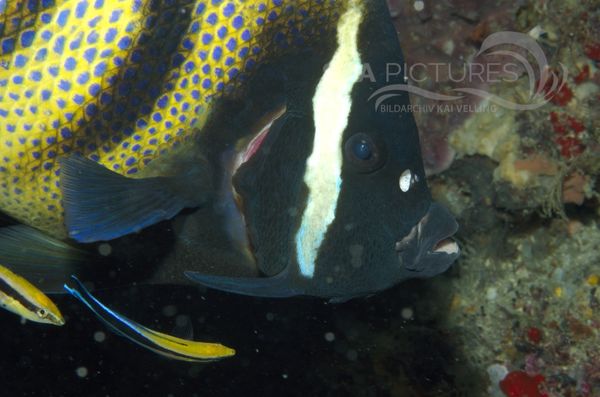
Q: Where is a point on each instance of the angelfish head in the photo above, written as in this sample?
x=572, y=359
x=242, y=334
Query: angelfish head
x=335, y=199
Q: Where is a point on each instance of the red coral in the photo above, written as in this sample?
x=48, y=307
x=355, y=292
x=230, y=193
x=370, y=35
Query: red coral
x=568, y=130
x=519, y=384
x=592, y=50
x=583, y=75
x=534, y=335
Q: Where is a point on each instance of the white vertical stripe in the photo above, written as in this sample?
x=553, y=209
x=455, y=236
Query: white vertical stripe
x=331, y=107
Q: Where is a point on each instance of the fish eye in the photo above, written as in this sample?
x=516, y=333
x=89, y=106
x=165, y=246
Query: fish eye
x=364, y=152
x=41, y=313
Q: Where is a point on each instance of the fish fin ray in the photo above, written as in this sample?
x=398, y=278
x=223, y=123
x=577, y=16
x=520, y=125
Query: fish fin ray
x=102, y=205
x=277, y=286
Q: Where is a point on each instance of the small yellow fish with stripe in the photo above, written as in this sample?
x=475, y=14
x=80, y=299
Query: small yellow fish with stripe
x=24, y=299
x=163, y=344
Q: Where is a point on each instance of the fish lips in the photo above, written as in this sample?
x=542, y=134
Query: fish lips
x=428, y=250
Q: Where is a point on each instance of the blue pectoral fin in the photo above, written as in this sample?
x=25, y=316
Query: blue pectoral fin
x=41, y=259
x=281, y=285
x=102, y=205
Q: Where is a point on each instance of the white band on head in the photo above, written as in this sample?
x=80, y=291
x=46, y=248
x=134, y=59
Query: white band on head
x=331, y=107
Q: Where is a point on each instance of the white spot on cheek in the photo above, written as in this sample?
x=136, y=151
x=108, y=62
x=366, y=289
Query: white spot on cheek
x=406, y=180
x=419, y=5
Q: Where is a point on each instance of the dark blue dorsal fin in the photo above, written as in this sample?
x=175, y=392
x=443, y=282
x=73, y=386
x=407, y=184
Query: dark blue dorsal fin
x=102, y=205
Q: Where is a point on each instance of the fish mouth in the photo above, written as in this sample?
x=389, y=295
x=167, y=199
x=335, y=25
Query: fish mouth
x=428, y=249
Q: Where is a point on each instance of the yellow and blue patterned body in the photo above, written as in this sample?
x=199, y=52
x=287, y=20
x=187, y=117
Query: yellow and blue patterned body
x=123, y=81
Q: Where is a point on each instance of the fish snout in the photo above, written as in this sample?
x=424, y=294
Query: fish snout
x=428, y=249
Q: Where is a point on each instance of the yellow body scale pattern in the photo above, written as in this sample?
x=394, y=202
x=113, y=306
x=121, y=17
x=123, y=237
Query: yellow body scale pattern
x=123, y=81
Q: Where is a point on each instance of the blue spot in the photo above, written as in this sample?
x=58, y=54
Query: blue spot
x=238, y=22
x=59, y=44
x=3, y=113
x=246, y=35
x=83, y=78
x=64, y=85
x=272, y=16
x=46, y=35
x=190, y=66
x=94, y=21
x=141, y=123
x=53, y=70
x=183, y=83
x=100, y=69
x=73, y=45
x=90, y=54
x=262, y=7
x=233, y=72
x=98, y=4
x=243, y=52
x=106, y=53
x=137, y=4
x=94, y=89
x=17, y=79
x=118, y=61
x=212, y=18
x=231, y=44
x=157, y=117
x=41, y=54
x=174, y=111
x=110, y=35
x=92, y=37
x=136, y=148
x=168, y=124
x=70, y=63
x=132, y=171
x=130, y=161
x=124, y=42
x=195, y=27
x=200, y=9
x=78, y=99
x=80, y=9
x=35, y=75
x=46, y=18
x=33, y=109
x=137, y=138
x=195, y=79
x=61, y=104
x=15, y=97
x=28, y=93
x=195, y=94
x=91, y=109
x=36, y=155
x=65, y=132
x=27, y=38
x=219, y=72
x=62, y=17
x=46, y=94
x=217, y=52
x=182, y=118
x=162, y=102
x=277, y=2
x=114, y=17
x=48, y=166
x=260, y=21
x=187, y=44
x=105, y=98
x=207, y=38
x=229, y=61
x=10, y=128
x=167, y=137
x=206, y=69
x=228, y=10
